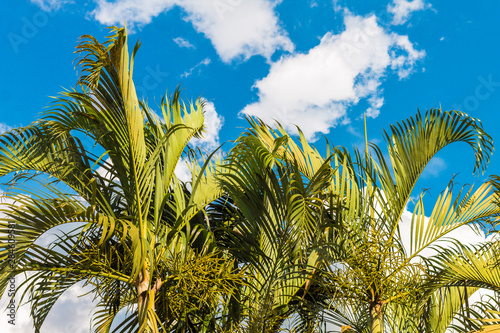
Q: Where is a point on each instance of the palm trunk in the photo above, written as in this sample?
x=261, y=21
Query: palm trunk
x=142, y=286
x=376, y=318
x=146, y=300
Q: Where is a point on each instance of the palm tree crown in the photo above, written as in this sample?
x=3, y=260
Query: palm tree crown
x=136, y=225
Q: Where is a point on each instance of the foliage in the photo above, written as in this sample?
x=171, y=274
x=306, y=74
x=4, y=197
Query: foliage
x=136, y=225
x=375, y=280
x=279, y=216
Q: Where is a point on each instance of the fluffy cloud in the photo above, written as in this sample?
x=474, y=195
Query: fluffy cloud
x=402, y=9
x=236, y=28
x=71, y=313
x=182, y=171
x=131, y=11
x=314, y=89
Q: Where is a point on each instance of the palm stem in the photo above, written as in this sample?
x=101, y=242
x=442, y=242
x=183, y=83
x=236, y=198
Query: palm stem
x=376, y=318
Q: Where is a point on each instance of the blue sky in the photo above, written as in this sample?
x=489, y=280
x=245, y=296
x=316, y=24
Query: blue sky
x=313, y=63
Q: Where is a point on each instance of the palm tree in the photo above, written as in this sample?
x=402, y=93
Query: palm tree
x=277, y=215
x=378, y=269
x=375, y=279
x=460, y=271
x=140, y=236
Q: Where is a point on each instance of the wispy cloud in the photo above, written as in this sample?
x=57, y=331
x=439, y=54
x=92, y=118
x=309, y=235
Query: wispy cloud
x=205, y=62
x=434, y=168
x=354, y=131
x=4, y=128
x=50, y=5
x=181, y=42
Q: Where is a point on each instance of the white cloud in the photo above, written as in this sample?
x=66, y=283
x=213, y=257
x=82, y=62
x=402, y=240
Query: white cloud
x=183, y=43
x=204, y=62
x=402, y=9
x=236, y=28
x=337, y=7
x=4, y=128
x=71, y=313
x=50, y=5
x=131, y=11
x=314, y=89
x=182, y=171
x=239, y=28
x=354, y=131
x=375, y=102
